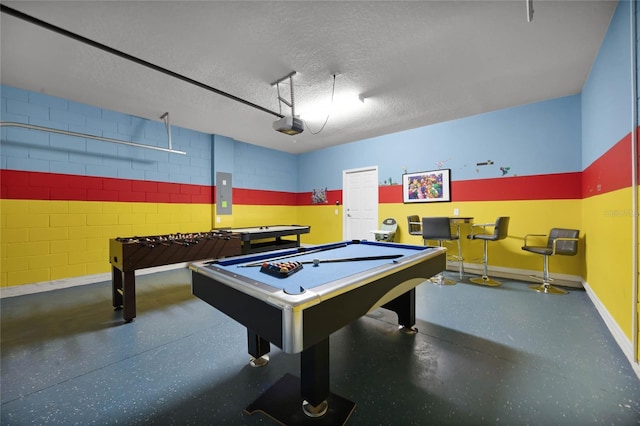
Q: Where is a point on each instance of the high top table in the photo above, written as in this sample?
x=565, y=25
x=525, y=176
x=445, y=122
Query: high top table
x=457, y=221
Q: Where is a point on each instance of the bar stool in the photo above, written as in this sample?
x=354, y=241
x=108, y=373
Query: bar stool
x=439, y=229
x=413, y=225
x=560, y=242
x=500, y=230
x=456, y=221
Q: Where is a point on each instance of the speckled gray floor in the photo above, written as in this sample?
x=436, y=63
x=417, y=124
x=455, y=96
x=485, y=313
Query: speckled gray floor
x=483, y=356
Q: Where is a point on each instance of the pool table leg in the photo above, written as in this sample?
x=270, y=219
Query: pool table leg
x=258, y=349
x=314, y=378
x=405, y=306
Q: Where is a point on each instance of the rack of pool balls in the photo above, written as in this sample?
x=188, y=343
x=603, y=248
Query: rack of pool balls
x=280, y=269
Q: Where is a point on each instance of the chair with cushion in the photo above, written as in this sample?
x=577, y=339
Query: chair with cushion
x=439, y=229
x=387, y=231
x=414, y=225
x=500, y=230
x=563, y=242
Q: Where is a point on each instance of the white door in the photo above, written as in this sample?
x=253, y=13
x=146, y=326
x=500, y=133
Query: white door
x=360, y=199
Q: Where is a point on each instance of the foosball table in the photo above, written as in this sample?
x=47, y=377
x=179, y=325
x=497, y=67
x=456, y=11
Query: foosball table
x=127, y=255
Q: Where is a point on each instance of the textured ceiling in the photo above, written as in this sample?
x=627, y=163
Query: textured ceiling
x=415, y=63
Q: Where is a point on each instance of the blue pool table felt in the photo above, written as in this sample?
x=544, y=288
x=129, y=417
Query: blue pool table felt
x=311, y=276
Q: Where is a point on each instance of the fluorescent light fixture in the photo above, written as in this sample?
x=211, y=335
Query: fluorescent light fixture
x=344, y=104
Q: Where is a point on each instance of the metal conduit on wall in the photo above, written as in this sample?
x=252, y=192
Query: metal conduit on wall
x=88, y=136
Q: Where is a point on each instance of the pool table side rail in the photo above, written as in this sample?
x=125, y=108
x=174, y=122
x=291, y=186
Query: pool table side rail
x=277, y=297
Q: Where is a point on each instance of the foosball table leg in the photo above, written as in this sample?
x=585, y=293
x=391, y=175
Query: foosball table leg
x=129, y=299
x=116, y=288
x=124, y=293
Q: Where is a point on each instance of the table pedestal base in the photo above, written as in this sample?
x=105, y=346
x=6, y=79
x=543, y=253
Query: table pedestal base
x=282, y=402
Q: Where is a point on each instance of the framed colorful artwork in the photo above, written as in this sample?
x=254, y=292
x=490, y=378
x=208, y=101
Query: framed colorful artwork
x=431, y=186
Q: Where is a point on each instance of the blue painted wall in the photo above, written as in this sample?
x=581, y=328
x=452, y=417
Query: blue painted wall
x=262, y=168
x=538, y=138
x=606, y=96
x=37, y=151
x=530, y=139
x=252, y=166
x=223, y=154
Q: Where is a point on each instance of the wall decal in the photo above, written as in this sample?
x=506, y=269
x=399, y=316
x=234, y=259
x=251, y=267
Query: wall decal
x=319, y=196
x=388, y=182
x=440, y=164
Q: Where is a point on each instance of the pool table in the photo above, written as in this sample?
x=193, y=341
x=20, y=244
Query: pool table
x=336, y=284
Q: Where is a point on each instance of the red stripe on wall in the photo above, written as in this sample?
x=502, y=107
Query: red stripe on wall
x=390, y=194
x=555, y=186
x=559, y=186
x=21, y=185
x=263, y=198
x=610, y=172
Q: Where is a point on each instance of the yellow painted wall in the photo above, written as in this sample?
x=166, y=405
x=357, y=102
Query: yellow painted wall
x=607, y=222
x=252, y=215
x=49, y=240
x=326, y=225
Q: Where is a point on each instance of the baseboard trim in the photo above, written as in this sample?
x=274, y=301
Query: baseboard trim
x=621, y=339
x=20, y=290
x=564, y=280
